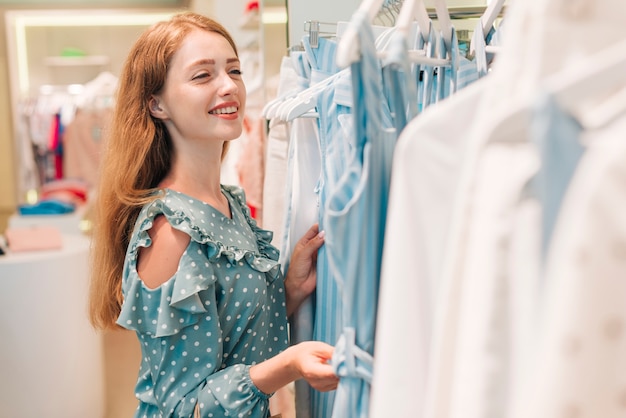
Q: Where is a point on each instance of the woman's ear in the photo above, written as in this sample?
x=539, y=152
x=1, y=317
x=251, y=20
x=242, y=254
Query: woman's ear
x=155, y=108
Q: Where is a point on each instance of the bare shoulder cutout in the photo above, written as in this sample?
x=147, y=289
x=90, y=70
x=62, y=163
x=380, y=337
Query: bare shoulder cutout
x=158, y=262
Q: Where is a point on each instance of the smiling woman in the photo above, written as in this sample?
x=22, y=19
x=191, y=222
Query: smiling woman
x=177, y=257
x=205, y=79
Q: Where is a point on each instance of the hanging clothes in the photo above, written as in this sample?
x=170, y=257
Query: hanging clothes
x=332, y=108
x=556, y=135
x=399, y=84
x=426, y=172
x=302, y=211
x=357, y=208
x=579, y=356
x=83, y=142
x=360, y=111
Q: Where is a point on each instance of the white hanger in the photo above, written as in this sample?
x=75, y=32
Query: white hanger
x=348, y=47
x=445, y=24
x=573, y=88
x=271, y=108
x=491, y=14
x=413, y=10
x=604, y=77
x=305, y=101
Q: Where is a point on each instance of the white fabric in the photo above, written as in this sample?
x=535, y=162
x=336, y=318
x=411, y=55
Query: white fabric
x=275, y=180
x=425, y=174
x=579, y=367
x=482, y=350
x=303, y=201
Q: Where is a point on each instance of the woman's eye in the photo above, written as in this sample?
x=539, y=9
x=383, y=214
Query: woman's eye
x=201, y=75
x=236, y=71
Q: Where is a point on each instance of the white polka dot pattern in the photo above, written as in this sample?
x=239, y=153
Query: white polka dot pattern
x=223, y=311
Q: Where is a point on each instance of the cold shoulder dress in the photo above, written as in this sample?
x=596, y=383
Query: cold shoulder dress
x=222, y=311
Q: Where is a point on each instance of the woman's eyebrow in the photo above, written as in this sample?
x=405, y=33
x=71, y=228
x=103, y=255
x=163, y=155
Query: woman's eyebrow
x=208, y=61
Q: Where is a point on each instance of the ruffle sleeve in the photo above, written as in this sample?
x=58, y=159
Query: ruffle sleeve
x=177, y=301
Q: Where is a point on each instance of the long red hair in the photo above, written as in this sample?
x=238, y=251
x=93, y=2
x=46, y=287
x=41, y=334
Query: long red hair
x=137, y=157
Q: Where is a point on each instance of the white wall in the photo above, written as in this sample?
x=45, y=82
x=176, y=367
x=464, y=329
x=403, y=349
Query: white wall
x=332, y=11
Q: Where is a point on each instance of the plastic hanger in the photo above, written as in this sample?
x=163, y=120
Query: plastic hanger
x=490, y=15
x=445, y=24
x=305, y=101
x=488, y=18
x=572, y=89
x=606, y=76
x=348, y=47
x=270, y=109
x=413, y=10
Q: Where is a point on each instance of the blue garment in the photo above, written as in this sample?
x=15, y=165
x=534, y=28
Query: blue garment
x=47, y=207
x=399, y=85
x=418, y=43
x=355, y=217
x=221, y=312
x=314, y=319
x=557, y=136
x=333, y=109
x=426, y=86
x=459, y=74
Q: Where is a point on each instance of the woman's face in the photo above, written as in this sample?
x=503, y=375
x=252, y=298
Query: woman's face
x=204, y=95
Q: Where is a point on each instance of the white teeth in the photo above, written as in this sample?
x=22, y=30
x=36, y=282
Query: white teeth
x=224, y=110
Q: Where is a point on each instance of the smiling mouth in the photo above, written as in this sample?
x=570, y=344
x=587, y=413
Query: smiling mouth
x=224, y=111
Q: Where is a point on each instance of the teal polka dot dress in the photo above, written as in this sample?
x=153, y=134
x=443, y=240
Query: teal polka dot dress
x=223, y=311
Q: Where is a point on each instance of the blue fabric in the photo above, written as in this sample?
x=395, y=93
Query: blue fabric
x=557, y=136
x=459, y=74
x=418, y=43
x=399, y=85
x=355, y=217
x=195, y=329
x=335, y=148
x=319, y=317
x=47, y=207
x=427, y=90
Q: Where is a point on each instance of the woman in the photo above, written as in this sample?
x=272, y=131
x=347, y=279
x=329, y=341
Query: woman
x=177, y=256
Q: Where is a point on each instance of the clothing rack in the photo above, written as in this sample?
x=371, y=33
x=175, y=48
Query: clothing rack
x=469, y=12
x=316, y=28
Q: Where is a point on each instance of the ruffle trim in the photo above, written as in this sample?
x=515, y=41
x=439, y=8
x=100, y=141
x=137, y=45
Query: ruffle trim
x=177, y=301
x=264, y=237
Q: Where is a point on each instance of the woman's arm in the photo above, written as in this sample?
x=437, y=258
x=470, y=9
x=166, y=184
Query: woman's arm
x=307, y=360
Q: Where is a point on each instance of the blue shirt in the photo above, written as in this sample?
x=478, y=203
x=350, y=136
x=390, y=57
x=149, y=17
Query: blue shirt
x=221, y=312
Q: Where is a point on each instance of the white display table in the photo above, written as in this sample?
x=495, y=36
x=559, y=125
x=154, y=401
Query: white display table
x=51, y=359
x=67, y=223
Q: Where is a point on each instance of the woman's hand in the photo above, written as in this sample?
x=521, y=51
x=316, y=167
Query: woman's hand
x=312, y=364
x=307, y=360
x=301, y=277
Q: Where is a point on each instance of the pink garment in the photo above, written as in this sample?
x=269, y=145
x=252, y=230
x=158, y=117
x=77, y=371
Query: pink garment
x=251, y=164
x=36, y=238
x=82, y=144
x=55, y=147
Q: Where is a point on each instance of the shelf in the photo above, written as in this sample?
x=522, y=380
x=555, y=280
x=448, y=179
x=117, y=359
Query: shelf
x=60, y=61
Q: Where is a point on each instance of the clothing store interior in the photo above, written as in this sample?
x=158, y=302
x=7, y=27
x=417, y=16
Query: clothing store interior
x=442, y=298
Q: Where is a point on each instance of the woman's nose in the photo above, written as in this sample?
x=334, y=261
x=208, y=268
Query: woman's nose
x=228, y=85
